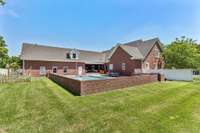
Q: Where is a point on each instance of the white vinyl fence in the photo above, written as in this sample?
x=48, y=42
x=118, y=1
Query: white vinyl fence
x=3, y=71
x=177, y=74
x=171, y=74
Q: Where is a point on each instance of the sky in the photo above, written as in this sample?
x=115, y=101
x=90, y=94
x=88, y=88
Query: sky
x=96, y=24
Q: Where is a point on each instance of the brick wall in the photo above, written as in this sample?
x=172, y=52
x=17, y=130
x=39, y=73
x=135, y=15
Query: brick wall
x=33, y=67
x=95, y=86
x=153, y=61
x=119, y=57
x=71, y=85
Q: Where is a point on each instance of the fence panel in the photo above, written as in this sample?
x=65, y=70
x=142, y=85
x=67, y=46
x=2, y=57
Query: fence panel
x=3, y=71
x=177, y=74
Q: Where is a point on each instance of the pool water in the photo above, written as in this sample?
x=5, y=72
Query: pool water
x=96, y=77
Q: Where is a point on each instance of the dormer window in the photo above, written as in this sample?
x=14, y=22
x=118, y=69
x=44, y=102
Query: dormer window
x=68, y=56
x=74, y=55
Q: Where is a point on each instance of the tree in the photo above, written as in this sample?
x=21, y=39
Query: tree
x=2, y=2
x=3, y=53
x=14, y=62
x=182, y=53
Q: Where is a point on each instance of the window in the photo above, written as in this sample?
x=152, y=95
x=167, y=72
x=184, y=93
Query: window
x=156, y=66
x=157, y=53
x=80, y=70
x=68, y=56
x=54, y=69
x=146, y=65
x=123, y=66
x=65, y=69
x=74, y=55
x=42, y=70
x=110, y=66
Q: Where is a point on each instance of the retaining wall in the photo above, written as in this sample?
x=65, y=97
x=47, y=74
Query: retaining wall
x=94, y=86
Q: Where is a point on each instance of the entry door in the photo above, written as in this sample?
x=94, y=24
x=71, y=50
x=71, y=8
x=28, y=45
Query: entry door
x=42, y=70
x=80, y=70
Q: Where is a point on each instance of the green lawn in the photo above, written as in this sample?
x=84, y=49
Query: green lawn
x=43, y=106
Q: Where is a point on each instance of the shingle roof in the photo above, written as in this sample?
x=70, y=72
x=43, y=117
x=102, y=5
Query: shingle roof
x=138, y=49
x=47, y=53
x=132, y=51
x=143, y=46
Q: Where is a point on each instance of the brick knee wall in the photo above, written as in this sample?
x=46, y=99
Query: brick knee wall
x=71, y=85
x=94, y=86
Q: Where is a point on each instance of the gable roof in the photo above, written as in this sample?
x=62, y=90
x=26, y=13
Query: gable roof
x=138, y=49
x=47, y=53
x=144, y=46
x=132, y=51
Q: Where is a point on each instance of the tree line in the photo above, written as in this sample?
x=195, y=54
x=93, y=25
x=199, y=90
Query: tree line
x=182, y=53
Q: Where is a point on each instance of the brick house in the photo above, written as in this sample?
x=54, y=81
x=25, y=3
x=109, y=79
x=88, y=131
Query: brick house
x=126, y=59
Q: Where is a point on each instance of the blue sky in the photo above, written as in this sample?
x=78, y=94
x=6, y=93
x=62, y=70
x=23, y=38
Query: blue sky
x=96, y=24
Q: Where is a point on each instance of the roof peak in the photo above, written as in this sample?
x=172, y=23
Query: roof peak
x=136, y=41
x=140, y=41
x=153, y=39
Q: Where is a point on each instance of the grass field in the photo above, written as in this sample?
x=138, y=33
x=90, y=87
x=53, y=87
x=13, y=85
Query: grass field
x=42, y=106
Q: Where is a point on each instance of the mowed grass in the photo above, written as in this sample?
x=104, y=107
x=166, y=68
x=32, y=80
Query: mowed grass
x=43, y=106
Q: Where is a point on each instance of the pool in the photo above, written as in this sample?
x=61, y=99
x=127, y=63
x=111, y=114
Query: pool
x=95, y=77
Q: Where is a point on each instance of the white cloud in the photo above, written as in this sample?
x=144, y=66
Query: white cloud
x=9, y=12
x=13, y=13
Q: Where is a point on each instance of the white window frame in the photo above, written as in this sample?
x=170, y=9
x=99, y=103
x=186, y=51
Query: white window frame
x=110, y=67
x=123, y=66
x=68, y=54
x=147, y=65
x=76, y=52
x=43, y=73
x=56, y=69
x=157, y=53
x=156, y=66
x=65, y=67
